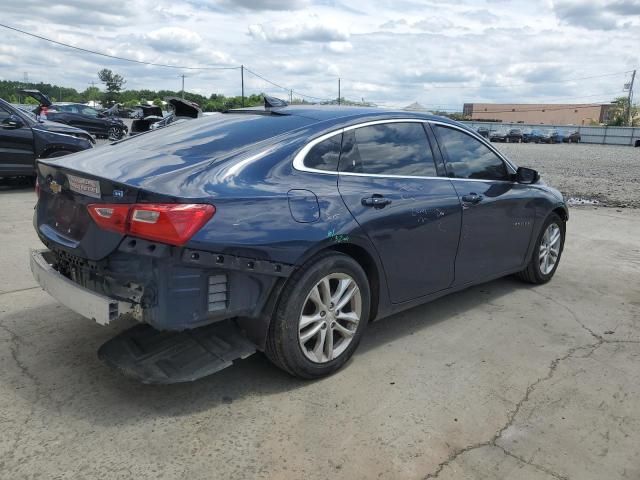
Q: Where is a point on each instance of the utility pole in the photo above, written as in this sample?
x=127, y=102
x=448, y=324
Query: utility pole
x=291, y=96
x=183, y=75
x=630, y=98
x=242, y=82
x=338, y=90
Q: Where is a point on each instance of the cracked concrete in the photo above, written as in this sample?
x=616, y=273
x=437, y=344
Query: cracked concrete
x=503, y=381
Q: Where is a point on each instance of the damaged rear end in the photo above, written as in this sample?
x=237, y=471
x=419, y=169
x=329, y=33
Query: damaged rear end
x=135, y=230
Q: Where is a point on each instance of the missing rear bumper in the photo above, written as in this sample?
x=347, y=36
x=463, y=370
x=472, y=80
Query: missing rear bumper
x=87, y=303
x=155, y=357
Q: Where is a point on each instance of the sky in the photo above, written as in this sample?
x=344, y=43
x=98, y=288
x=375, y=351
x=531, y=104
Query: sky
x=391, y=52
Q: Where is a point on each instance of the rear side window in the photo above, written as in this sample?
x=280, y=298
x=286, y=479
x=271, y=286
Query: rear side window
x=325, y=155
x=388, y=149
x=468, y=157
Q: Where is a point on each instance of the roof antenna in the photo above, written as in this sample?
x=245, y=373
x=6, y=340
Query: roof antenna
x=273, y=102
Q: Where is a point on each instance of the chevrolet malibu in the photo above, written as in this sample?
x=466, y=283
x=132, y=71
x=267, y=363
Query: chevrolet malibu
x=285, y=230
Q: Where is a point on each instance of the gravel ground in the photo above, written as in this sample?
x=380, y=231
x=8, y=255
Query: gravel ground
x=603, y=174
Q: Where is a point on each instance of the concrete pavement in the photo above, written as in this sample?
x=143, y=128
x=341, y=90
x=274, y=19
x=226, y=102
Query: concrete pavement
x=502, y=381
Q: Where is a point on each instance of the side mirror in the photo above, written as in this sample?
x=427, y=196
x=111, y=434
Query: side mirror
x=12, y=122
x=527, y=175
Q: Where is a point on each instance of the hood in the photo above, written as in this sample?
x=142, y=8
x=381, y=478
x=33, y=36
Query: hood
x=184, y=108
x=38, y=95
x=55, y=127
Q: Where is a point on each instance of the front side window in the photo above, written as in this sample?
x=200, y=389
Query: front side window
x=325, y=155
x=4, y=114
x=467, y=157
x=388, y=149
x=90, y=112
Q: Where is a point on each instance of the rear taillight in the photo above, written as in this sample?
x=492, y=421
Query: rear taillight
x=172, y=223
x=110, y=217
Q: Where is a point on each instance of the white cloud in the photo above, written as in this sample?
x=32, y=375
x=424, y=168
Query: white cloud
x=392, y=51
x=315, y=31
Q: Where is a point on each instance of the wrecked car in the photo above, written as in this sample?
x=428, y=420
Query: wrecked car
x=79, y=116
x=23, y=139
x=181, y=110
x=144, y=116
x=284, y=229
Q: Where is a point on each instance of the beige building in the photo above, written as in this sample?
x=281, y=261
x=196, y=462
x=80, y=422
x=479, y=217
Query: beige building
x=544, y=114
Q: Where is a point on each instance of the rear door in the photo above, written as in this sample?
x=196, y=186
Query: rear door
x=497, y=213
x=16, y=146
x=389, y=181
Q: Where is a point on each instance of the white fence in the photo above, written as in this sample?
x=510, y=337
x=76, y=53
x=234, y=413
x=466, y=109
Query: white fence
x=588, y=134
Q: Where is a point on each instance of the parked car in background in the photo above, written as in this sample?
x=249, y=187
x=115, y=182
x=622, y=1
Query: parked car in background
x=181, y=110
x=144, y=116
x=78, y=115
x=23, y=139
x=285, y=230
x=483, y=132
x=552, y=135
x=573, y=137
x=532, y=136
x=499, y=135
x=514, y=135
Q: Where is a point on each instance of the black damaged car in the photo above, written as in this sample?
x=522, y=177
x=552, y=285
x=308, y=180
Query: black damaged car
x=23, y=139
x=79, y=116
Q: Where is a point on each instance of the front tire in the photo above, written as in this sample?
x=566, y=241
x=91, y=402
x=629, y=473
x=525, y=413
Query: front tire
x=321, y=316
x=548, y=250
x=115, y=133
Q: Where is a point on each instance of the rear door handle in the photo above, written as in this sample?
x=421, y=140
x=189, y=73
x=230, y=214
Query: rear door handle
x=376, y=201
x=472, y=198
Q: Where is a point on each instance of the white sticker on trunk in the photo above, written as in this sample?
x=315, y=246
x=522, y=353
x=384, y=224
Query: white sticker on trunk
x=85, y=186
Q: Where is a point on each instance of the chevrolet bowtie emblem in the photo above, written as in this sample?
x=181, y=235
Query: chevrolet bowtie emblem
x=55, y=187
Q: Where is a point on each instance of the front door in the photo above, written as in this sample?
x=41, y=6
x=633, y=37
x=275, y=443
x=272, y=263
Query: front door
x=389, y=182
x=16, y=146
x=497, y=213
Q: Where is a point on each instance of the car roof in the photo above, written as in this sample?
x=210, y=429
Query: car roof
x=329, y=114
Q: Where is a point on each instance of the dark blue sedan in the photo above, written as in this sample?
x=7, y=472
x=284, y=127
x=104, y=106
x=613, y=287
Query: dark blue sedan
x=285, y=230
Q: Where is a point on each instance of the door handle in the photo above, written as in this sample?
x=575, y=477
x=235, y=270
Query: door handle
x=472, y=198
x=375, y=201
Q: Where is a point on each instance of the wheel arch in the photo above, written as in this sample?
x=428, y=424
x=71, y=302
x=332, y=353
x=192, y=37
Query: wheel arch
x=368, y=264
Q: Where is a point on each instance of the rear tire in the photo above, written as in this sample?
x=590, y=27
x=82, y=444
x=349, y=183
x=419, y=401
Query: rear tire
x=538, y=271
x=309, y=310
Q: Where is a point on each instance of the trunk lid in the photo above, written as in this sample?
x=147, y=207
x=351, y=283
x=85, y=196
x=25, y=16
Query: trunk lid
x=39, y=96
x=62, y=219
x=170, y=161
x=184, y=108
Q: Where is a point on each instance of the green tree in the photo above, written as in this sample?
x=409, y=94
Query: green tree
x=113, y=83
x=619, y=111
x=91, y=94
x=157, y=102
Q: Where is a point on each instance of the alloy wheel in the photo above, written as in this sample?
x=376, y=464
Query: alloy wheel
x=329, y=318
x=550, y=248
x=114, y=133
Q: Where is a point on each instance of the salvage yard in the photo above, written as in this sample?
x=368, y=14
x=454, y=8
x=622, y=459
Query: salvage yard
x=501, y=381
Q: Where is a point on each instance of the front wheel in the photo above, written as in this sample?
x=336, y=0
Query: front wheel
x=320, y=318
x=115, y=133
x=546, y=255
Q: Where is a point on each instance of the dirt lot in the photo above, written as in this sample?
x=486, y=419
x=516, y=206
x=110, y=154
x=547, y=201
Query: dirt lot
x=502, y=381
x=605, y=173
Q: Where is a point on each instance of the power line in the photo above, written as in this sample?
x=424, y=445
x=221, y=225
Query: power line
x=286, y=88
x=115, y=56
